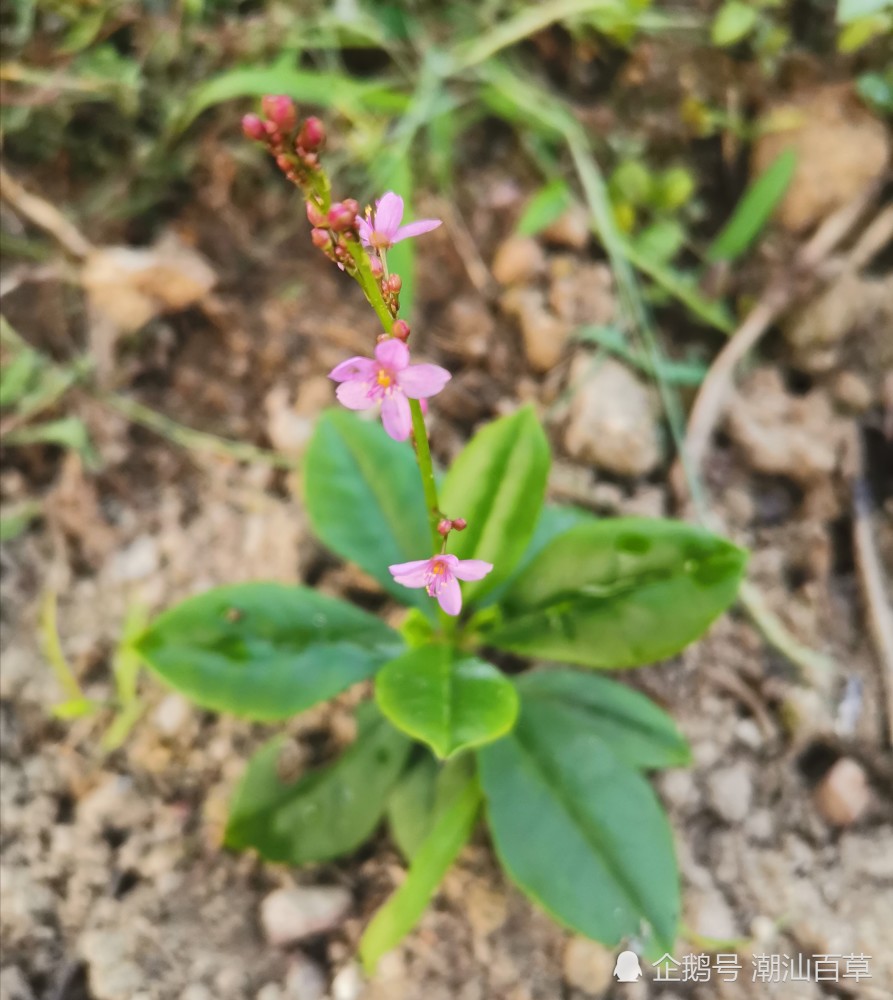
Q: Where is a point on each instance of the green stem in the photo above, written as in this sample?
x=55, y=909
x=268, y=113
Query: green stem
x=419, y=432
x=426, y=468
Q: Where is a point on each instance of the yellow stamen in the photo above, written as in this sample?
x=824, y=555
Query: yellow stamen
x=437, y=569
x=383, y=378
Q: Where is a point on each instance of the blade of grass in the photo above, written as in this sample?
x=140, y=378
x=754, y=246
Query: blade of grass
x=754, y=209
x=528, y=21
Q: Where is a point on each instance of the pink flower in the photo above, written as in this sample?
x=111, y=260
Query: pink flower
x=381, y=229
x=389, y=379
x=440, y=576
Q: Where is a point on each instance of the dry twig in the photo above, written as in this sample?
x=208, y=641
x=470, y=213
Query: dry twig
x=45, y=216
x=781, y=293
x=874, y=587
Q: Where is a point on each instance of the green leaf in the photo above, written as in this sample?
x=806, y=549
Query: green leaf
x=876, y=89
x=661, y=241
x=429, y=865
x=614, y=340
x=734, y=22
x=637, y=731
x=325, y=814
x=497, y=484
x=328, y=90
x=364, y=498
x=544, y=208
x=411, y=804
x=754, y=209
x=553, y=521
x=619, y=593
x=425, y=789
x=859, y=33
x=16, y=518
x=448, y=701
x=264, y=650
x=853, y=10
x=67, y=432
x=578, y=830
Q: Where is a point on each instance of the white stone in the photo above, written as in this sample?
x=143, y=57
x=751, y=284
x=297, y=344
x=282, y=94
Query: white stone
x=289, y=915
x=731, y=792
x=611, y=420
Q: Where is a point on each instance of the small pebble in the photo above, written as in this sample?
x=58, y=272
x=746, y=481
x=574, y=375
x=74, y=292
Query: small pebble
x=518, y=261
x=843, y=795
x=588, y=965
x=731, y=792
x=289, y=915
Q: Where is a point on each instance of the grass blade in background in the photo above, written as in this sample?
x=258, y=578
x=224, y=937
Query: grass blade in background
x=545, y=207
x=754, y=209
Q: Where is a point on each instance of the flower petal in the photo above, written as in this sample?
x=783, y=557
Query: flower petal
x=365, y=231
x=388, y=214
x=353, y=369
x=411, y=574
x=392, y=354
x=355, y=395
x=471, y=569
x=415, y=229
x=421, y=381
x=449, y=597
x=396, y=416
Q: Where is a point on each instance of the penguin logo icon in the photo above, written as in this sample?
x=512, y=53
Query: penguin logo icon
x=626, y=968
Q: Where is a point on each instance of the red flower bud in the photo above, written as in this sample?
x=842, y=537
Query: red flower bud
x=320, y=238
x=253, y=128
x=444, y=527
x=401, y=330
x=352, y=205
x=312, y=135
x=376, y=267
x=460, y=524
x=341, y=217
x=395, y=283
x=280, y=110
x=315, y=216
x=284, y=163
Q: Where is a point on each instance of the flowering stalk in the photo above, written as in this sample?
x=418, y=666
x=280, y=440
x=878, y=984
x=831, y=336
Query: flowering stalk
x=358, y=245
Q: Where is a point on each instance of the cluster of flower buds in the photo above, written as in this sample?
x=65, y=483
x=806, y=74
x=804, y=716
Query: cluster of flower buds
x=445, y=525
x=333, y=228
x=294, y=145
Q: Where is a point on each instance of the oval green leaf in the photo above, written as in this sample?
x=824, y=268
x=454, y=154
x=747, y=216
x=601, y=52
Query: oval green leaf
x=497, y=484
x=364, y=497
x=639, y=733
x=578, y=830
x=446, y=700
x=619, y=593
x=325, y=814
x=734, y=22
x=434, y=856
x=265, y=651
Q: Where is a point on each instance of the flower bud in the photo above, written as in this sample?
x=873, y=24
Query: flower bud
x=320, y=238
x=352, y=205
x=341, y=216
x=284, y=163
x=253, y=128
x=395, y=283
x=376, y=267
x=312, y=135
x=315, y=216
x=280, y=110
x=444, y=527
x=460, y=524
x=401, y=330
